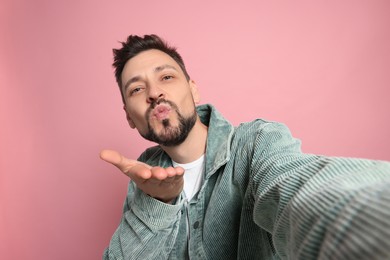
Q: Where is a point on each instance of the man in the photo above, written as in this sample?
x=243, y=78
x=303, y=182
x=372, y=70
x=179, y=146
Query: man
x=213, y=191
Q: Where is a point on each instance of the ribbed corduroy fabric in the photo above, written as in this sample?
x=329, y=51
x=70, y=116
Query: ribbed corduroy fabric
x=262, y=198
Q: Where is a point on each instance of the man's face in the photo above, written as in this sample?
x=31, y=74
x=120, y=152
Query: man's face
x=159, y=100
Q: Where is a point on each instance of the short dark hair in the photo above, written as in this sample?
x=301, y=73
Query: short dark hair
x=135, y=45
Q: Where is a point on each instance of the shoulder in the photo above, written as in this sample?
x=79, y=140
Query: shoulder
x=261, y=127
x=262, y=134
x=153, y=156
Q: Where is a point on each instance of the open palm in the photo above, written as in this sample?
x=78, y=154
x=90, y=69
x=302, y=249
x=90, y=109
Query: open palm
x=164, y=184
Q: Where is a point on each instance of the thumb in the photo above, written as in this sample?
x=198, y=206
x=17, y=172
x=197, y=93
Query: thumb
x=117, y=159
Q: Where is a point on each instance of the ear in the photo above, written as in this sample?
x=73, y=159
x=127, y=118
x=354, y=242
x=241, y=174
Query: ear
x=194, y=91
x=129, y=120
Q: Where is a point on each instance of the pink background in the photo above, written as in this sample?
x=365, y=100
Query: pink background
x=321, y=67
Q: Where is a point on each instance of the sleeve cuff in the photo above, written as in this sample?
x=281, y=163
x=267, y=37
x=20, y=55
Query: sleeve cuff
x=156, y=214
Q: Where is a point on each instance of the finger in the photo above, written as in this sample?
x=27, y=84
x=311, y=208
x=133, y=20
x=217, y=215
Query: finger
x=159, y=173
x=179, y=170
x=170, y=171
x=117, y=159
x=139, y=172
x=174, y=171
x=179, y=173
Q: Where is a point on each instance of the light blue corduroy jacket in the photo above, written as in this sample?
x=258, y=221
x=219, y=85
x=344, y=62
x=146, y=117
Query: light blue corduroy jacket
x=262, y=198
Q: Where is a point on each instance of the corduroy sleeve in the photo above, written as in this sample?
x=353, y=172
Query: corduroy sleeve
x=319, y=207
x=148, y=228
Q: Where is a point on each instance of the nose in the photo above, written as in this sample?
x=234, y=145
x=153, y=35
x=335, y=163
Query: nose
x=154, y=93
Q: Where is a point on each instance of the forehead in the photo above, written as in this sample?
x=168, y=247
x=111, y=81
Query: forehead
x=145, y=62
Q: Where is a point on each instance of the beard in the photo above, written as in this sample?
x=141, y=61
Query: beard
x=170, y=135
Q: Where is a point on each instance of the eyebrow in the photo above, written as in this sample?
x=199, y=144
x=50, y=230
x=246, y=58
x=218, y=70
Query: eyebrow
x=163, y=67
x=137, y=78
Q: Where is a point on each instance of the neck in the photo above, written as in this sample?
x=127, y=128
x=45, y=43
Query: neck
x=192, y=148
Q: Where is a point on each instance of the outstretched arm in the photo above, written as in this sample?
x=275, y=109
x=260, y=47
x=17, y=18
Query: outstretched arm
x=319, y=207
x=150, y=223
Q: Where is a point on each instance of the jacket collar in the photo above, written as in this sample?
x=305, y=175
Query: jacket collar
x=219, y=136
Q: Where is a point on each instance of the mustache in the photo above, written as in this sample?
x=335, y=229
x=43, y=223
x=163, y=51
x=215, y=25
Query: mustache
x=158, y=102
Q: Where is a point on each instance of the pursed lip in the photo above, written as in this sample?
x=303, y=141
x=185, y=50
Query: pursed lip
x=157, y=107
x=161, y=111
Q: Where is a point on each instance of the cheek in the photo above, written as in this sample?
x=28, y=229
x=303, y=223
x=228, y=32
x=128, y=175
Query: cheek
x=133, y=116
x=189, y=106
x=138, y=120
x=136, y=112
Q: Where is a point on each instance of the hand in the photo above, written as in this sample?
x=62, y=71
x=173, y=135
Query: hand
x=164, y=184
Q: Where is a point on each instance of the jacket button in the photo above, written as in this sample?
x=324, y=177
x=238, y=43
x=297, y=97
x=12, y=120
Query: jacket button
x=196, y=224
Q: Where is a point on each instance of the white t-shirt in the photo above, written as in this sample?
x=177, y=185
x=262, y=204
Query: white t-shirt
x=193, y=176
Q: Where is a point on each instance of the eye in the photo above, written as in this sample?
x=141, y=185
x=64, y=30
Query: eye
x=167, y=77
x=134, y=91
